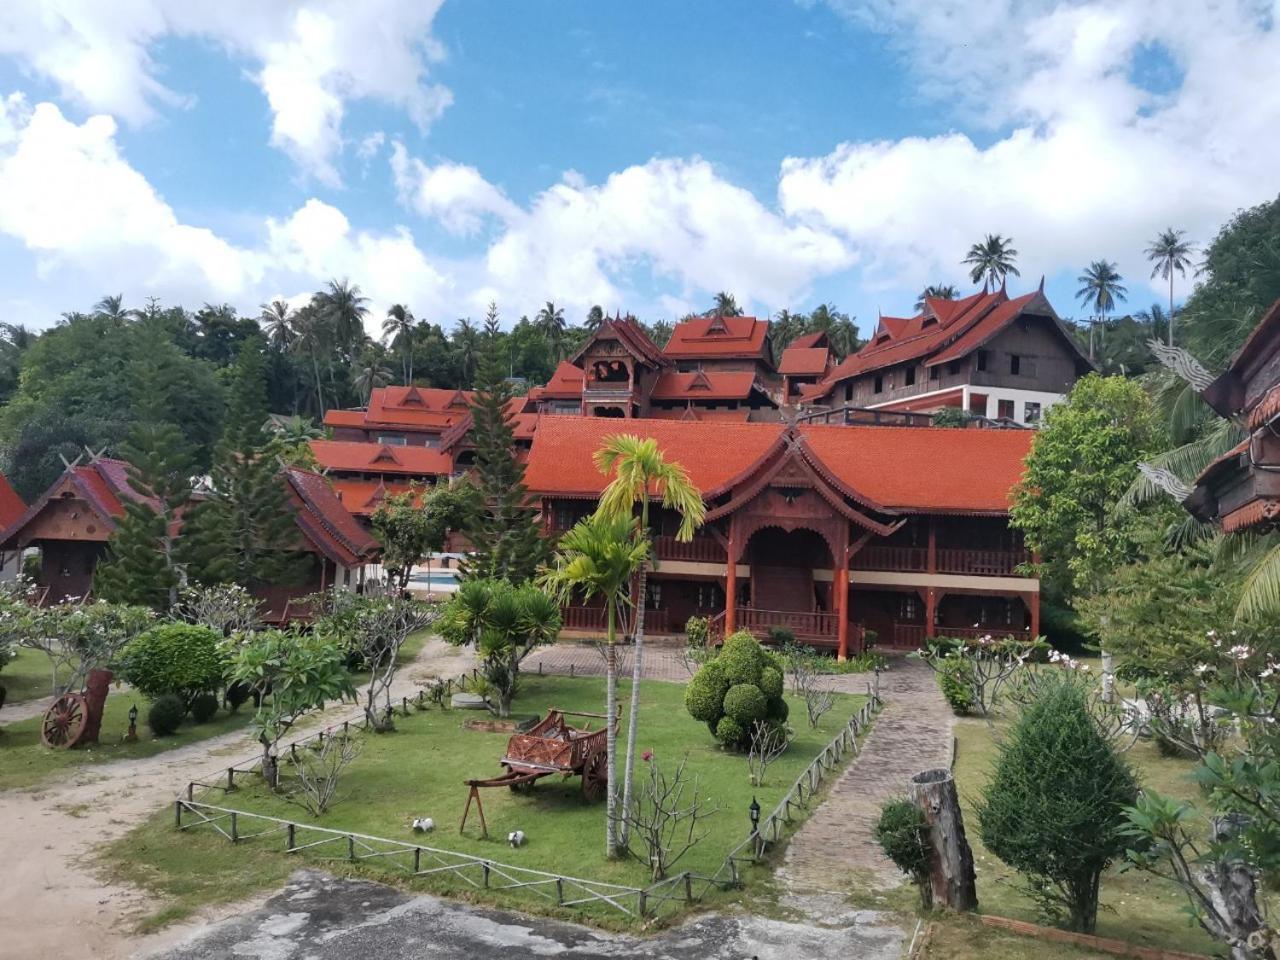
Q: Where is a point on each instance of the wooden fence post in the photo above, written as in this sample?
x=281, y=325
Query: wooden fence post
x=951, y=874
x=235, y=832
x=290, y=836
x=559, y=890
x=231, y=779
x=177, y=814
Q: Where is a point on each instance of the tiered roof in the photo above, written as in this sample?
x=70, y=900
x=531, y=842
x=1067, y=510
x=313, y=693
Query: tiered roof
x=721, y=337
x=704, y=385
x=628, y=332
x=353, y=456
x=565, y=383
x=424, y=407
x=325, y=522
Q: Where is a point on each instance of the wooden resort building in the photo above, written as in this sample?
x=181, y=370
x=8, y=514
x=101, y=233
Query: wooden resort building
x=825, y=531
x=72, y=521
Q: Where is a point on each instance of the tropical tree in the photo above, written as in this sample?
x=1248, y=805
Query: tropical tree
x=725, y=306
x=397, y=329
x=639, y=472
x=942, y=291
x=598, y=557
x=112, y=307
x=991, y=260
x=1100, y=287
x=595, y=318
x=345, y=308
x=1170, y=253
x=550, y=322
x=372, y=374
x=311, y=339
x=466, y=338
x=277, y=323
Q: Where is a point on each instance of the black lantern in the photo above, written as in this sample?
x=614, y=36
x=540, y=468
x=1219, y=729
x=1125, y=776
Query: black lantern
x=754, y=810
x=132, y=735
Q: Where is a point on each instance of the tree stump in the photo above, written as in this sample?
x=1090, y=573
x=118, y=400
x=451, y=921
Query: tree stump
x=951, y=875
x=1232, y=889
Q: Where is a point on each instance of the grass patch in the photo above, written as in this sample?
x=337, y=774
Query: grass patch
x=419, y=772
x=27, y=677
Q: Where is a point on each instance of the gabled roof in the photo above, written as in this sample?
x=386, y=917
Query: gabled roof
x=804, y=360
x=103, y=483
x=704, y=385
x=807, y=341
x=628, y=332
x=353, y=456
x=741, y=415
x=325, y=522
x=719, y=337
x=565, y=383
x=362, y=497
x=911, y=469
x=943, y=331
x=408, y=407
x=1227, y=393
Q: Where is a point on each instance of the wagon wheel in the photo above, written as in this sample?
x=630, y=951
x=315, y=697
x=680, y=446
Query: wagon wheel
x=65, y=721
x=595, y=776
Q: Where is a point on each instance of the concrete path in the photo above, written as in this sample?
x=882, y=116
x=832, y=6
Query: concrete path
x=318, y=917
x=913, y=733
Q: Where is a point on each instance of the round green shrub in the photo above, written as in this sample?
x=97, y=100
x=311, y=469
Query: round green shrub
x=165, y=715
x=203, y=707
x=955, y=677
x=179, y=658
x=729, y=732
x=771, y=682
x=903, y=835
x=745, y=703
x=742, y=658
x=777, y=710
x=705, y=693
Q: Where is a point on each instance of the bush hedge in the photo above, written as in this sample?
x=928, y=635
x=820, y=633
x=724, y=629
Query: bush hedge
x=165, y=715
x=741, y=685
x=203, y=707
x=177, y=658
x=955, y=677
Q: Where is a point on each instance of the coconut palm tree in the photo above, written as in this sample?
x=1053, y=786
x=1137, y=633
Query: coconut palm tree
x=991, y=260
x=294, y=430
x=725, y=306
x=598, y=557
x=1170, y=253
x=345, y=308
x=112, y=307
x=595, y=318
x=550, y=321
x=310, y=339
x=277, y=323
x=373, y=373
x=1100, y=287
x=942, y=291
x=640, y=472
x=467, y=339
x=397, y=330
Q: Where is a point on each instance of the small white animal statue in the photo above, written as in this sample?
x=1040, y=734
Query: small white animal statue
x=516, y=838
x=423, y=825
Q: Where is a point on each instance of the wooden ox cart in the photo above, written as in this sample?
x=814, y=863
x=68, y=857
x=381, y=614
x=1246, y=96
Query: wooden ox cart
x=549, y=747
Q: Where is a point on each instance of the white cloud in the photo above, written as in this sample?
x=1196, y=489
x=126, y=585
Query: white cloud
x=1091, y=164
x=309, y=57
x=456, y=195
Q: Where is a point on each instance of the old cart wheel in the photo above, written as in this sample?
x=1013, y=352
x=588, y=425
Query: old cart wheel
x=65, y=721
x=595, y=776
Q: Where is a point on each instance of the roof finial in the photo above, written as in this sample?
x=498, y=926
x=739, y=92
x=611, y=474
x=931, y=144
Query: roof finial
x=1004, y=280
x=1042, y=283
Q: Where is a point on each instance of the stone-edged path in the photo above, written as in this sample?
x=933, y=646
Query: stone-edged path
x=912, y=733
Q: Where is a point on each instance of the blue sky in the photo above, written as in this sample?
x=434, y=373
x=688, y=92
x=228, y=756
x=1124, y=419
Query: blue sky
x=638, y=155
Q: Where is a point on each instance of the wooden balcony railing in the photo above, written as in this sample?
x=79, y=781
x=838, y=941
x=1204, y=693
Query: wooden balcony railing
x=887, y=557
x=983, y=563
x=593, y=619
x=699, y=549
x=816, y=625
x=912, y=635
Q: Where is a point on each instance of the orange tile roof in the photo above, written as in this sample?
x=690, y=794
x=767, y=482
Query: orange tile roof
x=708, y=385
x=982, y=331
x=362, y=497
x=804, y=360
x=566, y=381
x=925, y=468
x=407, y=407
x=718, y=337
x=326, y=523
x=809, y=340
x=696, y=413
x=712, y=453
x=353, y=456
x=11, y=505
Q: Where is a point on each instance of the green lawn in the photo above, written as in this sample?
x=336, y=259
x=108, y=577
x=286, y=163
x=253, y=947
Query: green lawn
x=25, y=761
x=1134, y=906
x=26, y=677
x=419, y=772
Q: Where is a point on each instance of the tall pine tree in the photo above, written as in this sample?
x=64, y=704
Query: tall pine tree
x=502, y=527
x=243, y=531
x=143, y=560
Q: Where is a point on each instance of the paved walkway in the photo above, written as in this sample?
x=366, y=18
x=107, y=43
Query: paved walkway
x=912, y=733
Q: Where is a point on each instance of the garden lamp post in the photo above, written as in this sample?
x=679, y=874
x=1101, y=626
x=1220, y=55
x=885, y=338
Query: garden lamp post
x=754, y=812
x=132, y=735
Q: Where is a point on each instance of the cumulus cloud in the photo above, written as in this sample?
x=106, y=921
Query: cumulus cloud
x=1090, y=161
x=458, y=196
x=309, y=57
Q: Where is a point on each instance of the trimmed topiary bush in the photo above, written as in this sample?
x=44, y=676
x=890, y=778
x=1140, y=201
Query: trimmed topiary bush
x=741, y=685
x=179, y=658
x=165, y=715
x=203, y=707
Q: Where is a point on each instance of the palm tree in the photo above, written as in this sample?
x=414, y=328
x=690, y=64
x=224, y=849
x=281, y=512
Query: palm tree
x=550, y=321
x=991, y=260
x=112, y=307
x=785, y=327
x=639, y=472
x=345, y=308
x=598, y=557
x=725, y=306
x=397, y=329
x=277, y=322
x=295, y=430
x=942, y=291
x=1099, y=289
x=595, y=318
x=467, y=339
x=310, y=332
x=1169, y=252
x=372, y=374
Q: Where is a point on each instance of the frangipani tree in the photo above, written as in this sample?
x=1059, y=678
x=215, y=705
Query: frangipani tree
x=640, y=472
x=598, y=557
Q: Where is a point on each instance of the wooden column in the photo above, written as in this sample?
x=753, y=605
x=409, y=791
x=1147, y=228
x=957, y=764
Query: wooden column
x=931, y=562
x=841, y=605
x=731, y=579
x=1033, y=604
x=930, y=612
